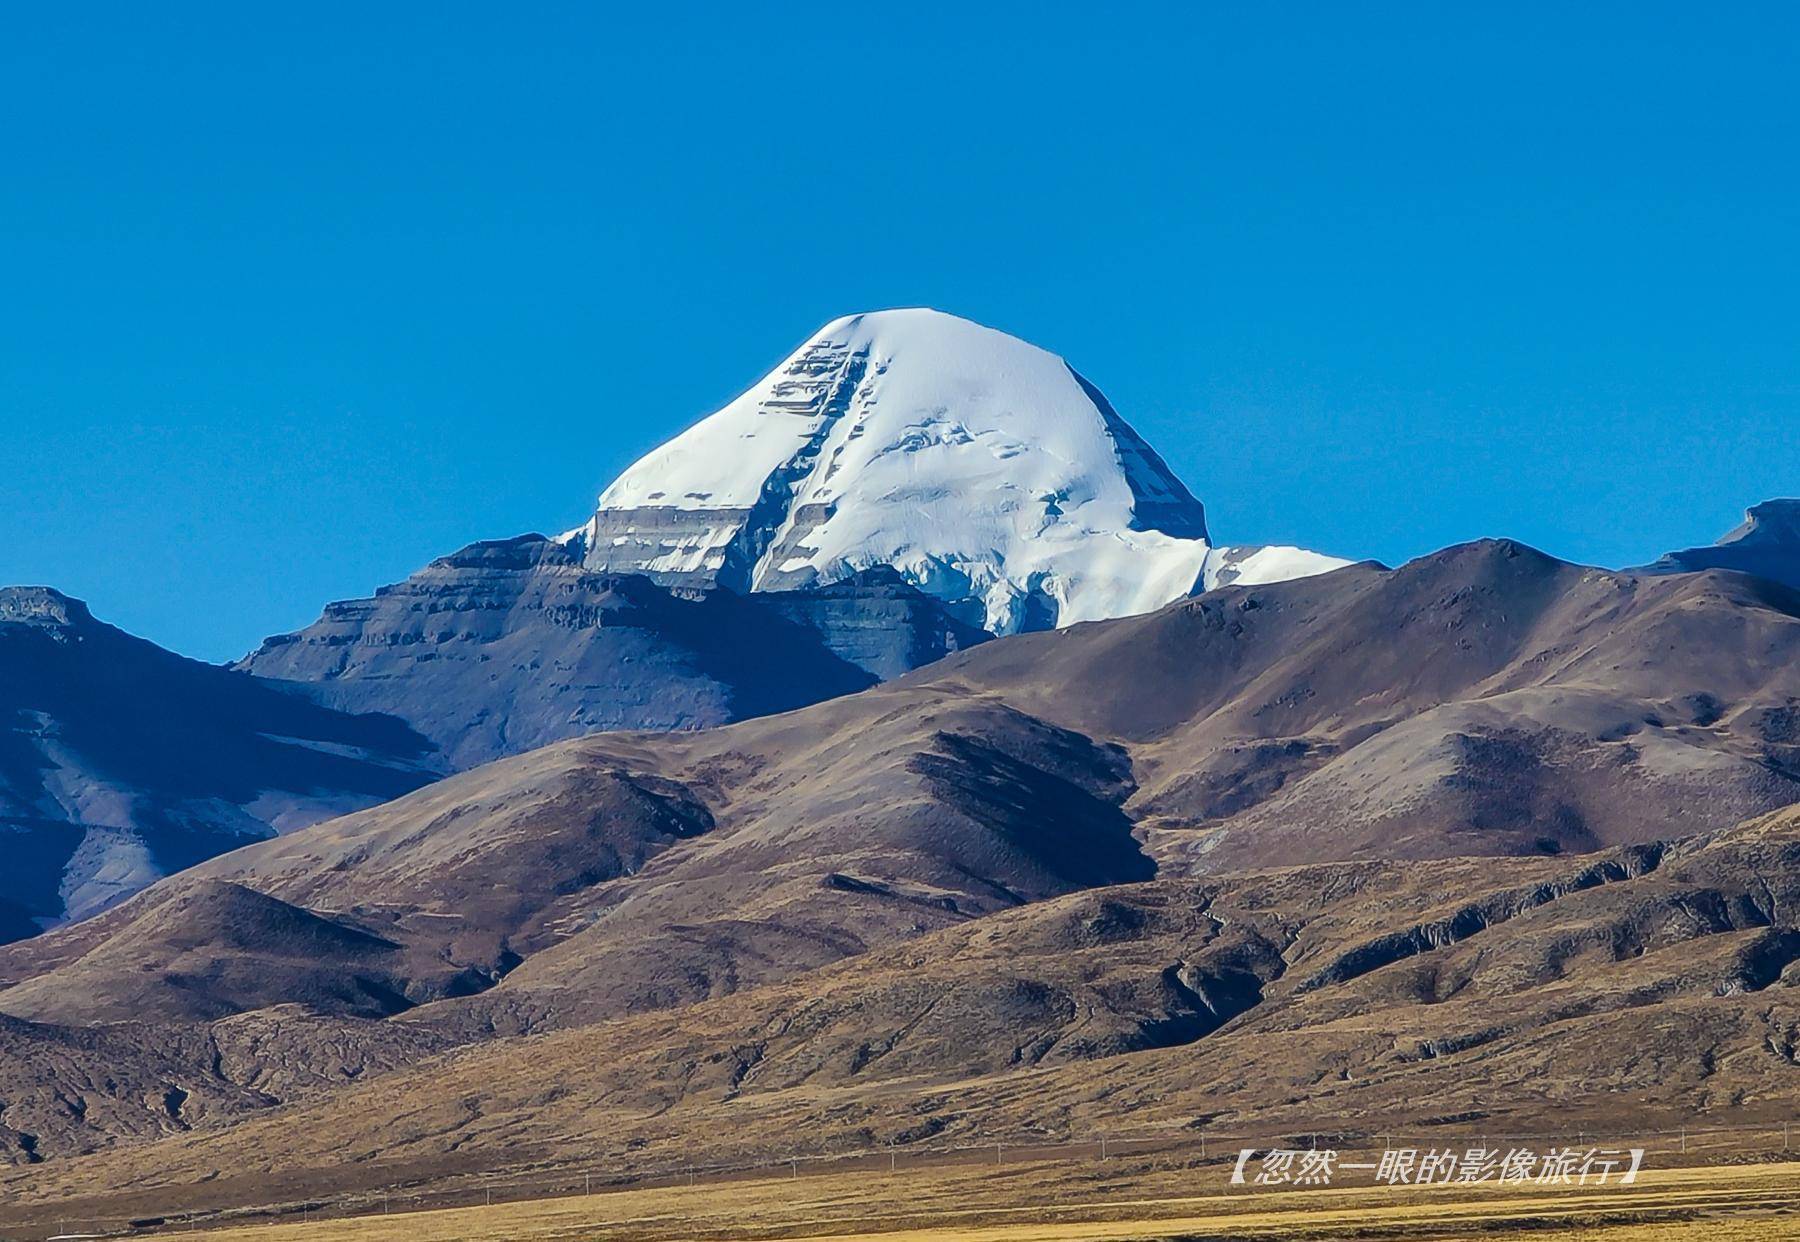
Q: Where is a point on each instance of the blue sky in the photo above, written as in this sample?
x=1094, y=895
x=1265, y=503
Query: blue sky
x=299, y=298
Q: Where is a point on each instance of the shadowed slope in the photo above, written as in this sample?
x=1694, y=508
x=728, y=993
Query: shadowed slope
x=650, y=870
x=222, y=948
x=1766, y=543
x=121, y=762
x=1486, y=699
x=511, y=645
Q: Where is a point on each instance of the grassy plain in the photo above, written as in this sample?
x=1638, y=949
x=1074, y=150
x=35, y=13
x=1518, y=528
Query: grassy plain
x=1059, y=1201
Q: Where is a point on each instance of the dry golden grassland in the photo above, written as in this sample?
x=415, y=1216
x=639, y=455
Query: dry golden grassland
x=1074, y=1202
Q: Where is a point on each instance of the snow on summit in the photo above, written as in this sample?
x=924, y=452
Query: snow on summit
x=985, y=470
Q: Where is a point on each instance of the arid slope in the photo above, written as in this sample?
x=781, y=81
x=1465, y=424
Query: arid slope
x=1642, y=985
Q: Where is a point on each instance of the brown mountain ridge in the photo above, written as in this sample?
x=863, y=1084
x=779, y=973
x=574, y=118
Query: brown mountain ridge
x=1437, y=818
x=1486, y=700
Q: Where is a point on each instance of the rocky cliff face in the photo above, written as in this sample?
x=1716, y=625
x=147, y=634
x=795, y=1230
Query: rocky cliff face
x=1766, y=543
x=509, y=645
x=877, y=621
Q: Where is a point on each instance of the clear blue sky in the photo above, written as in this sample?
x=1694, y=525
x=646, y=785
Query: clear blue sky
x=298, y=297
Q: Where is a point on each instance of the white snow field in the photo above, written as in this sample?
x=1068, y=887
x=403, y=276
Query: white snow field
x=983, y=469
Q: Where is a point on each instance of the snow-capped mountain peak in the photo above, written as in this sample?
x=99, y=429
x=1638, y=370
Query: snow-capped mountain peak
x=984, y=469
